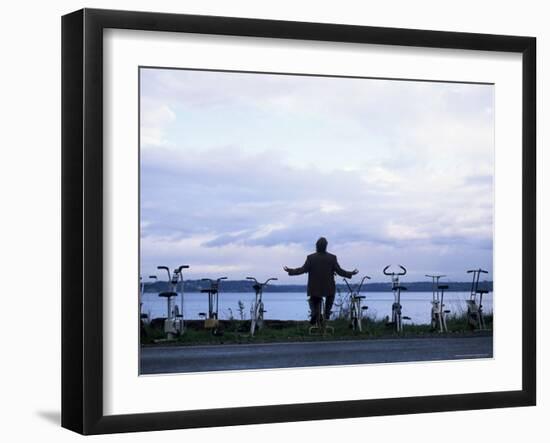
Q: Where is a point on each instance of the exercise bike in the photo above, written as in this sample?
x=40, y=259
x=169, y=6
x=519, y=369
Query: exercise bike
x=439, y=314
x=211, y=318
x=174, y=323
x=320, y=327
x=257, y=310
x=355, y=308
x=396, y=309
x=475, y=302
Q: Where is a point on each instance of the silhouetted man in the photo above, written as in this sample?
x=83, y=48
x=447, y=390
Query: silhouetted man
x=321, y=267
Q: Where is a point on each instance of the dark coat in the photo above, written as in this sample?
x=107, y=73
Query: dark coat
x=321, y=268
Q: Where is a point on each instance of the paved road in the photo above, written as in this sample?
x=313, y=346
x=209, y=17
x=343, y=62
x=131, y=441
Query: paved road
x=169, y=359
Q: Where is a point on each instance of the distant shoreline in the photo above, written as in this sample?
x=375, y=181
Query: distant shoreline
x=240, y=286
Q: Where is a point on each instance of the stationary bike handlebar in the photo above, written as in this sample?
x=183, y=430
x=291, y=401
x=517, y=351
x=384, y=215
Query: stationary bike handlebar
x=395, y=273
x=366, y=277
x=264, y=283
x=212, y=280
x=167, y=271
x=477, y=270
x=178, y=273
x=360, y=284
x=347, y=284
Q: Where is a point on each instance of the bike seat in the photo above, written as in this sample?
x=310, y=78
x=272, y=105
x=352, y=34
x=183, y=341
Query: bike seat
x=401, y=288
x=443, y=287
x=208, y=291
x=168, y=294
x=482, y=291
x=364, y=308
x=358, y=297
x=447, y=312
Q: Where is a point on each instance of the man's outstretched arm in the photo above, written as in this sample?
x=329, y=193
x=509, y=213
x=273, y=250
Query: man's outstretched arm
x=297, y=271
x=342, y=272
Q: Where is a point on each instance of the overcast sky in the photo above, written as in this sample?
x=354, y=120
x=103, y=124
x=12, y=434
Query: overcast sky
x=241, y=173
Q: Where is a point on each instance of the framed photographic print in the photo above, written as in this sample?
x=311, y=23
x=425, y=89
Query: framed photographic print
x=262, y=217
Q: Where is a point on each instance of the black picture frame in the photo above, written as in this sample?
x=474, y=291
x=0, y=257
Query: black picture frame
x=82, y=218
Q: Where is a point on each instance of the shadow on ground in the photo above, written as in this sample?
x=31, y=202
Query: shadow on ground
x=54, y=417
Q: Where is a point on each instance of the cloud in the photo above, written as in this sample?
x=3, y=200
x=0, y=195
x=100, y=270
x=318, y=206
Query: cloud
x=154, y=117
x=243, y=173
x=244, y=208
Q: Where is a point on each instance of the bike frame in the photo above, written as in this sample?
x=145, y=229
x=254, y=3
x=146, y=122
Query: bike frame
x=396, y=289
x=321, y=325
x=438, y=314
x=475, y=308
x=256, y=317
x=179, y=273
x=168, y=299
x=213, y=296
x=172, y=325
x=355, y=303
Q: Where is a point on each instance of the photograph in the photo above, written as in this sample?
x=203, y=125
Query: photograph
x=293, y=220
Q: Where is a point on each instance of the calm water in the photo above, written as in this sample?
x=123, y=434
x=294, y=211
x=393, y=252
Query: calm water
x=294, y=306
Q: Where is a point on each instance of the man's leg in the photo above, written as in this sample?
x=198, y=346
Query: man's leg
x=329, y=301
x=315, y=308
